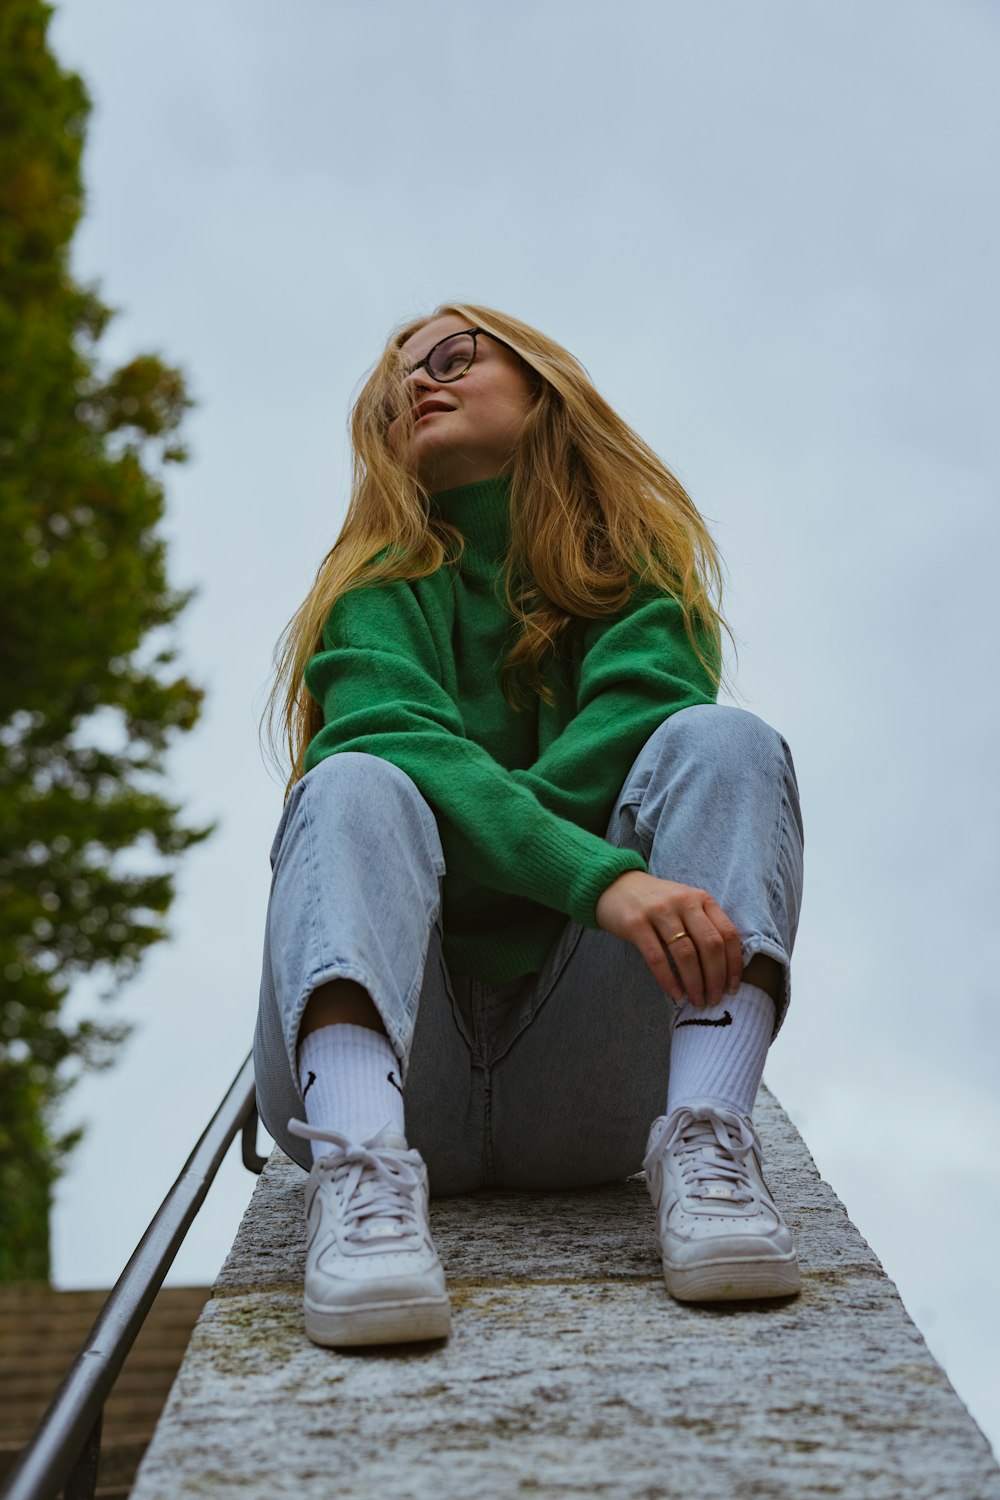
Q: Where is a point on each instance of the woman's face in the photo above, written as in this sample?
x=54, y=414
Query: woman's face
x=464, y=430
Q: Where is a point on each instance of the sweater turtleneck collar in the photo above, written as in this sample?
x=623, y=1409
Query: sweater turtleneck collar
x=481, y=512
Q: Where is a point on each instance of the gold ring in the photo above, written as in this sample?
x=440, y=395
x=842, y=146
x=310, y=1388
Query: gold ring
x=676, y=935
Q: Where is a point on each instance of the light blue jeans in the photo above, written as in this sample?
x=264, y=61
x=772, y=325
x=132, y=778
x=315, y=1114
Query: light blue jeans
x=550, y=1081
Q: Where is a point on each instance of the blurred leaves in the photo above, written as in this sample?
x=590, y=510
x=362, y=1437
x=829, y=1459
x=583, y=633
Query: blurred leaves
x=89, y=696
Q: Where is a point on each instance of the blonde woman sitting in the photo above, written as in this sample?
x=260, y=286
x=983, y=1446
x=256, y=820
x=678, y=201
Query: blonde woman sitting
x=534, y=891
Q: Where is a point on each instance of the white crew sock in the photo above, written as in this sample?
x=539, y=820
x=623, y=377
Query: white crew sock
x=350, y=1083
x=718, y=1053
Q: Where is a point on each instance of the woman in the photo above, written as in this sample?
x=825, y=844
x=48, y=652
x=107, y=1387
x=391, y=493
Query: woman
x=534, y=891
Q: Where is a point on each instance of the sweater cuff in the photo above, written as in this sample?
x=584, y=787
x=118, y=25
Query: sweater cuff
x=567, y=868
x=591, y=883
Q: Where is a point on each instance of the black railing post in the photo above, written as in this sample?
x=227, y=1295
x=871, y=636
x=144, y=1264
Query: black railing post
x=252, y=1159
x=82, y=1479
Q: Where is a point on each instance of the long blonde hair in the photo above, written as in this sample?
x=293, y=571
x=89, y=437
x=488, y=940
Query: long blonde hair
x=593, y=513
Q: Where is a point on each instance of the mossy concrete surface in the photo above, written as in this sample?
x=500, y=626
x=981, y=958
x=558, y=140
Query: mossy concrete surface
x=570, y=1372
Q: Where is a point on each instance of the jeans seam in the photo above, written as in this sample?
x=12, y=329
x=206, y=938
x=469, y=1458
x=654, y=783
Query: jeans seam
x=313, y=914
x=430, y=826
x=292, y=1040
x=533, y=1010
x=409, y=1009
x=782, y=824
x=488, y=1159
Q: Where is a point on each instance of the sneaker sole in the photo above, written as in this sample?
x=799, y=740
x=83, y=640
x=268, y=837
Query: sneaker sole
x=407, y=1322
x=734, y=1281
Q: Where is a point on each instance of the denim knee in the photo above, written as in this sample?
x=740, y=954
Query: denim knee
x=355, y=771
x=380, y=792
x=725, y=735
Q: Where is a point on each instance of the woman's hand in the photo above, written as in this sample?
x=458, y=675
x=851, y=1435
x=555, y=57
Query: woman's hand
x=647, y=912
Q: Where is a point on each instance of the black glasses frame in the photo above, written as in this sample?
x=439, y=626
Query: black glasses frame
x=425, y=363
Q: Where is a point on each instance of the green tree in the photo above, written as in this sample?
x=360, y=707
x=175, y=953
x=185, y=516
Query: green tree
x=90, y=698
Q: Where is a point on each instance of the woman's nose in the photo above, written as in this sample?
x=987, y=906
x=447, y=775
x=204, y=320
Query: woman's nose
x=421, y=380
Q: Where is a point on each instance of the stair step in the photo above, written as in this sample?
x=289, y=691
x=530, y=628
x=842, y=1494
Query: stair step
x=119, y=1460
x=41, y=1332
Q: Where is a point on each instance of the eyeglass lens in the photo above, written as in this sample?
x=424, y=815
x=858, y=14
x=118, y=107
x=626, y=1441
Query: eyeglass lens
x=451, y=357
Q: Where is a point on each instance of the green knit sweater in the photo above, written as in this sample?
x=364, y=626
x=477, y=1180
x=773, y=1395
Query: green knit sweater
x=522, y=798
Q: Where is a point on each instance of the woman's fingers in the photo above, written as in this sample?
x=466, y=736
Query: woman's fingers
x=731, y=940
x=707, y=958
x=660, y=967
x=684, y=957
x=689, y=944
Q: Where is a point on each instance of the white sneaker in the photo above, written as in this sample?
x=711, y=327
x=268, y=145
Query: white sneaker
x=721, y=1237
x=372, y=1272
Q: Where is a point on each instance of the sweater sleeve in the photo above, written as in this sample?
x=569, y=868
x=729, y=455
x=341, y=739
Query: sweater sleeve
x=638, y=668
x=379, y=681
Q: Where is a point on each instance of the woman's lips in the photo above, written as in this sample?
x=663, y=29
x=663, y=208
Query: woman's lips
x=427, y=409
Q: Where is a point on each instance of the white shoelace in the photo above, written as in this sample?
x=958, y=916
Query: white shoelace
x=709, y=1154
x=376, y=1185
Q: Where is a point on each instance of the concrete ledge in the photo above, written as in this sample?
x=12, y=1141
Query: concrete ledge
x=570, y=1372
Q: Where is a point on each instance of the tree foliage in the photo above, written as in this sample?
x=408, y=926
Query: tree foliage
x=90, y=697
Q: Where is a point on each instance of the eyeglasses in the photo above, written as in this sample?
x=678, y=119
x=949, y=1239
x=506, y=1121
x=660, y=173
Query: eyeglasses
x=450, y=358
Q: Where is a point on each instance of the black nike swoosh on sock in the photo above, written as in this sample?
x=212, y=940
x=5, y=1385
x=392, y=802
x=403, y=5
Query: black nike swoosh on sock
x=312, y=1080
x=725, y=1020
x=391, y=1078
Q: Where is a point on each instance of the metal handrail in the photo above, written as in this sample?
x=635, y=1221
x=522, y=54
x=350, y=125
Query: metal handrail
x=66, y=1445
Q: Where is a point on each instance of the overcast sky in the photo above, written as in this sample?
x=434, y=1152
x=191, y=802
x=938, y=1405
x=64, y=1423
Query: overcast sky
x=771, y=233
